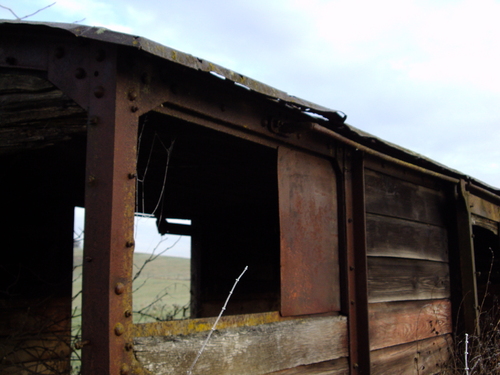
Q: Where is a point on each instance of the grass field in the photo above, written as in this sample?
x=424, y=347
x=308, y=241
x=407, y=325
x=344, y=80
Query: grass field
x=161, y=288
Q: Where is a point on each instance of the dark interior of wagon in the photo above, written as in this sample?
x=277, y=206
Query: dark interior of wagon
x=227, y=187
x=487, y=262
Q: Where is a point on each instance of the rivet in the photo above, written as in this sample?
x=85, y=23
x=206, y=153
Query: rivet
x=349, y=220
x=101, y=55
x=119, y=329
x=351, y=268
x=131, y=176
x=134, y=109
x=92, y=180
x=129, y=346
x=130, y=244
x=119, y=288
x=127, y=313
x=94, y=120
x=80, y=73
x=99, y=92
x=11, y=60
x=352, y=303
x=355, y=365
x=60, y=52
x=124, y=369
x=132, y=95
x=88, y=259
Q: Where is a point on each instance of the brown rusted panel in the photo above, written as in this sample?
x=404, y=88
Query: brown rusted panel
x=110, y=205
x=70, y=69
x=309, y=234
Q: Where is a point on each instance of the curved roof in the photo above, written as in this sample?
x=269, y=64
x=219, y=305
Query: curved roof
x=331, y=119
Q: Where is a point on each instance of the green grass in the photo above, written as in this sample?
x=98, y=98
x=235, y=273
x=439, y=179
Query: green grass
x=166, y=277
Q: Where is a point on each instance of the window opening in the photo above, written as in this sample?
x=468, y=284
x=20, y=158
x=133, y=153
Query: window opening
x=227, y=187
x=487, y=262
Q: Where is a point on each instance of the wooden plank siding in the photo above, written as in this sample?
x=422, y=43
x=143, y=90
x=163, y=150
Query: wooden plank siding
x=396, y=323
x=425, y=357
x=338, y=366
x=410, y=315
x=401, y=279
x=250, y=350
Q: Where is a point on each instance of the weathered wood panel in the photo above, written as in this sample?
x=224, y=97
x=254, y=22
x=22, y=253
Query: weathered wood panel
x=397, y=279
x=390, y=196
x=336, y=367
x=248, y=350
x=484, y=208
x=417, y=358
x=485, y=223
x=402, y=172
x=34, y=113
x=392, y=237
x=397, y=323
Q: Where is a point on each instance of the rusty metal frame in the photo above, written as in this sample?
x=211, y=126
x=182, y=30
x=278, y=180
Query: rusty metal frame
x=357, y=295
x=467, y=261
x=95, y=78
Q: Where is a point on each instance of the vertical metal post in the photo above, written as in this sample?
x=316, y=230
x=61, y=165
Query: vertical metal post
x=359, y=348
x=467, y=262
x=110, y=206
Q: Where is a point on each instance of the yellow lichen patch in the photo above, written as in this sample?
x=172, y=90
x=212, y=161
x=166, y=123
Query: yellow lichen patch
x=185, y=327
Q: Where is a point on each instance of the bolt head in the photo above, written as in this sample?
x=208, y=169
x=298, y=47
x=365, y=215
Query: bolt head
x=119, y=288
x=99, y=92
x=124, y=369
x=119, y=329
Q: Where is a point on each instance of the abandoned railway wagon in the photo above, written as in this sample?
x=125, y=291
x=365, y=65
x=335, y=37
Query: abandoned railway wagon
x=363, y=258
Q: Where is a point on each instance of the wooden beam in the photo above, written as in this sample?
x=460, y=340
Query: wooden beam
x=248, y=350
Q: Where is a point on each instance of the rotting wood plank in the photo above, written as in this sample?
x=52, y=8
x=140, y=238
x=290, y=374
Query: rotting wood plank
x=248, y=350
x=484, y=208
x=485, y=223
x=401, y=238
x=390, y=196
x=417, y=358
x=398, y=279
x=403, y=172
x=338, y=366
x=396, y=323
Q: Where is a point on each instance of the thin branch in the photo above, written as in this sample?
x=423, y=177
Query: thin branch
x=189, y=372
x=29, y=15
x=153, y=257
x=10, y=10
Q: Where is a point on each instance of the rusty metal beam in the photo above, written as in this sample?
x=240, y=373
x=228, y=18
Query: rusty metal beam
x=355, y=226
x=109, y=218
x=358, y=146
x=467, y=262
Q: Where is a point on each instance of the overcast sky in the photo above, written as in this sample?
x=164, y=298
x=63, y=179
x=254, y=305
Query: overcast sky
x=422, y=74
